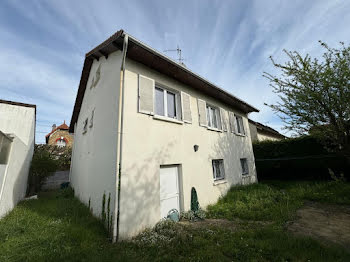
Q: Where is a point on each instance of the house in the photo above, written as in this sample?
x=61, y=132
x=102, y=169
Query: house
x=17, y=129
x=260, y=132
x=147, y=130
x=60, y=136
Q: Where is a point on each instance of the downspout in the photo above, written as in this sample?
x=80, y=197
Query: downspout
x=120, y=137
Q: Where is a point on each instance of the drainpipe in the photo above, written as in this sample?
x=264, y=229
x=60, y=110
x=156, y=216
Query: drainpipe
x=120, y=137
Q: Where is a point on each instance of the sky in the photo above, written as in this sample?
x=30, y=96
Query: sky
x=43, y=44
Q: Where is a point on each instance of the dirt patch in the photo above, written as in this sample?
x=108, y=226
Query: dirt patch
x=212, y=222
x=323, y=222
x=227, y=224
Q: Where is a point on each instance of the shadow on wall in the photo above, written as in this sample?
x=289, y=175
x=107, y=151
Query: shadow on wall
x=15, y=183
x=231, y=148
x=140, y=199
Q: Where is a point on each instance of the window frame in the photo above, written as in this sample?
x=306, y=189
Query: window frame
x=237, y=123
x=221, y=167
x=5, y=148
x=210, y=108
x=243, y=165
x=178, y=113
x=60, y=140
x=85, y=125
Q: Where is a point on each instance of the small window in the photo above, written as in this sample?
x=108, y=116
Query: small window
x=61, y=142
x=5, y=147
x=85, y=126
x=239, y=124
x=166, y=103
x=244, y=165
x=218, y=169
x=92, y=118
x=213, y=117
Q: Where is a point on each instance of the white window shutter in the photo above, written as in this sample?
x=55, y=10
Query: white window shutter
x=232, y=122
x=186, y=107
x=223, y=115
x=202, y=112
x=146, y=95
x=219, y=118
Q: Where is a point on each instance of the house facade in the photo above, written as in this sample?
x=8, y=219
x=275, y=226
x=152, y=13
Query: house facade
x=260, y=132
x=147, y=130
x=17, y=129
x=60, y=136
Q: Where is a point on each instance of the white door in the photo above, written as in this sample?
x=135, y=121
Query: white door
x=169, y=190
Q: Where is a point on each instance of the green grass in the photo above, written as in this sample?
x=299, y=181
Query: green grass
x=57, y=227
x=276, y=201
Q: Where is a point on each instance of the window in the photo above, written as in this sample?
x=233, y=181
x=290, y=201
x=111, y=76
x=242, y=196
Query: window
x=61, y=142
x=166, y=103
x=92, y=118
x=239, y=124
x=213, y=117
x=5, y=147
x=218, y=169
x=85, y=125
x=244, y=165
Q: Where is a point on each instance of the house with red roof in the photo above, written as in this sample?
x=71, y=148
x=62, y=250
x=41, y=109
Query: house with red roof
x=60, y=136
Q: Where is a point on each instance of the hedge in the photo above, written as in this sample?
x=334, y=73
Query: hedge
x=297, y=158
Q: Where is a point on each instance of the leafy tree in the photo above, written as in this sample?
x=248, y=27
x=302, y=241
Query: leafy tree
x=46, y=160
x=315, y=95
x=43, y=164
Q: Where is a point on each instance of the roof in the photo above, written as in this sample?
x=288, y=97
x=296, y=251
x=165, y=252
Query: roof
x=24, y=105
x=60, y=127
x=155, y=60
x=16, y=103
x=266, y=129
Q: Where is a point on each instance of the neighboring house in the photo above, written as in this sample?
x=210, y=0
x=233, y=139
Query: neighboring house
x=164, y=127
x=260, y=132
x=17, y=129
x=60, y=136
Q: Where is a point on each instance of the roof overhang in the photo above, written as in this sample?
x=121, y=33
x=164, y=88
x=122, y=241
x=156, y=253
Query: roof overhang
x=151, y=58
x=24, y=105
x=266, y=129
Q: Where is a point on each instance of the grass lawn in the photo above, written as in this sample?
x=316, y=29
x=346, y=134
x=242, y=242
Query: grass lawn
x=57, y=227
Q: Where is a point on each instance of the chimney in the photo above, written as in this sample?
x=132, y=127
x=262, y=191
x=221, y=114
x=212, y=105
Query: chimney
x=53, y=127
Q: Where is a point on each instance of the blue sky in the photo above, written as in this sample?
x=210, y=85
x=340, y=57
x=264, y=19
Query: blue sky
x=42, y=44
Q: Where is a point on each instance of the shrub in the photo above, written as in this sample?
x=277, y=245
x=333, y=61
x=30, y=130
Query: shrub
x=162, y=233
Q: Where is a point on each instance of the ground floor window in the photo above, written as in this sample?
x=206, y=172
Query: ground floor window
x=244, y=165
x=218, y=169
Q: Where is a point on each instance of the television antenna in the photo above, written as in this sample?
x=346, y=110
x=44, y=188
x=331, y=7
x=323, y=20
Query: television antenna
x=179, y=53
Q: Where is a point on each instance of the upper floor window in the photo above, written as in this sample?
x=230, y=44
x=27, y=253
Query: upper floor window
x=61, y=142
x=166, y=103
x=213, y=117
x=85, y=125
x=239, y=124
x=5, y=147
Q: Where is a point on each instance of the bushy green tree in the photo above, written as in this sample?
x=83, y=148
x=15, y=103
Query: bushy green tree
x=46, y=160
x=315, y=95
x=43, y=164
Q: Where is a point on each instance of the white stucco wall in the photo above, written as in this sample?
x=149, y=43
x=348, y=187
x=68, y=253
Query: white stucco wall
x=93, y=168
x=253, y=132
x=18, y=121
x=150, y=143
x=264, y=137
